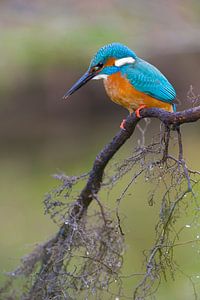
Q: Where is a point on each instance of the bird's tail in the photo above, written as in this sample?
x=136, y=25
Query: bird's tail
x=174, y=107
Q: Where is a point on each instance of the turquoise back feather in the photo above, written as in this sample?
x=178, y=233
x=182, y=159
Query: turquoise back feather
x=148, y=79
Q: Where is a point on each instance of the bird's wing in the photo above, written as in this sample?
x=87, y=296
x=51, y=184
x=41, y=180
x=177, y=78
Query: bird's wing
x=148, y=79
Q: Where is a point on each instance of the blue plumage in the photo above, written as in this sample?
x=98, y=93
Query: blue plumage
x=148, y=79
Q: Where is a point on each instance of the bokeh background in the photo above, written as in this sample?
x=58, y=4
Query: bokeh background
x=44, y=47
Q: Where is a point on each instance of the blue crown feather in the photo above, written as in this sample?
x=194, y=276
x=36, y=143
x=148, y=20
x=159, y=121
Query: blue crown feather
x=115, y=50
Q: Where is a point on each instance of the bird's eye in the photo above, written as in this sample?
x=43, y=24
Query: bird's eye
x=98, y=67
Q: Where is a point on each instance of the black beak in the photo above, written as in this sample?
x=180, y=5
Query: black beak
x=83, y=80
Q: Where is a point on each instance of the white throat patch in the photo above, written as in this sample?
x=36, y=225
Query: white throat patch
x=100, y=76
x=123, y=61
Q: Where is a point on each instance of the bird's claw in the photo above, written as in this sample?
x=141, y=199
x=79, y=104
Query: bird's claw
x=137, y=112
x=123, y=124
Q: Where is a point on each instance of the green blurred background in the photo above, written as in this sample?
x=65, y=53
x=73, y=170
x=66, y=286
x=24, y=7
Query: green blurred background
x=44, y=47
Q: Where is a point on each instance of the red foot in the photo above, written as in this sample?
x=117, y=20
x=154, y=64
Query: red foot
x=123, y=124
x=137, y=112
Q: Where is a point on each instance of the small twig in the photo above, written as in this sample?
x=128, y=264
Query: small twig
x=166, y=143
x=181, y=160
x=101, y=209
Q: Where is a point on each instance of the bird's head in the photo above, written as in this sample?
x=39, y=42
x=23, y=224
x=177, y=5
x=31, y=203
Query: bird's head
x=107, y=61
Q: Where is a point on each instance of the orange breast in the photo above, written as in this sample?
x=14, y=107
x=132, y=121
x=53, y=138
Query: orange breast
x=122, y=92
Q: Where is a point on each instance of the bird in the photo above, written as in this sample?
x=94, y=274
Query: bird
x=129, y=80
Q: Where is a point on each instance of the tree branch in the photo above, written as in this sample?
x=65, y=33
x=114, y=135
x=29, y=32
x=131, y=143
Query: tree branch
x=50, y=266
x=94, y=182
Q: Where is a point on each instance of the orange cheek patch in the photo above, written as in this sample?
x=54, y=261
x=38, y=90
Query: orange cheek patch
x=110, y=62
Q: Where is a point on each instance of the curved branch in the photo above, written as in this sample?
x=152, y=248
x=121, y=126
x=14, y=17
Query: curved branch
x=178, y=118
x=48, y=265
x=94, y=182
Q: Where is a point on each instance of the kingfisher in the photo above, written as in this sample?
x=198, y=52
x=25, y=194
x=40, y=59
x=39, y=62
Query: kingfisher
x=128, y=80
